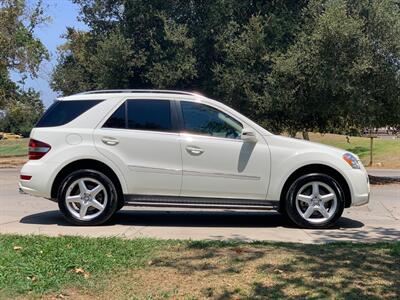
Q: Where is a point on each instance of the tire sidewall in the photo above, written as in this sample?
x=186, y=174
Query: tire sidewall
x=290, y=201
x=111, y=205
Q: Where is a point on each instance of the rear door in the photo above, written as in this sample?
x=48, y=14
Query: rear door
x=141, y=137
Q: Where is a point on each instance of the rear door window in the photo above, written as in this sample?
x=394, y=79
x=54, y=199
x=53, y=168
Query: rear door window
x=63, y=112
x=153, y=115
x=149, y=115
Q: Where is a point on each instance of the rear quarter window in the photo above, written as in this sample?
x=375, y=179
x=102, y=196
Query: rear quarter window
x=63, y=112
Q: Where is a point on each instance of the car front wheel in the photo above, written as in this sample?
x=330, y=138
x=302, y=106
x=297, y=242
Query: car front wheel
x=314, y=201
x=87, y=197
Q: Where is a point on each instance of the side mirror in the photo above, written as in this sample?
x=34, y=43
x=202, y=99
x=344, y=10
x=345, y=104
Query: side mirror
x=248, y=135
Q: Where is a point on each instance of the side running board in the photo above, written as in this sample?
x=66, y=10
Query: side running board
x=198, y=202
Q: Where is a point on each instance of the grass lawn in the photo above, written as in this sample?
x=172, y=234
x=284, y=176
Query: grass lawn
x=9, y=148
x=386, y=152
x=111, y=268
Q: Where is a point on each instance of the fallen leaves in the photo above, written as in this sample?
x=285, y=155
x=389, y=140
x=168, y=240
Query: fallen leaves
x=32, y=278
x=81, y=271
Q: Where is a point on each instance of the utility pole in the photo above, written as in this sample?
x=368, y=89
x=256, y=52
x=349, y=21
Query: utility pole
x=371, y=147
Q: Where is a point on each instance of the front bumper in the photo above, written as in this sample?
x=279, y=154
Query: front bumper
x=359, y=186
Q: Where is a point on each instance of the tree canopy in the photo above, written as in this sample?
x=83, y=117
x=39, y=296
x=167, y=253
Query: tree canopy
x=291, y=65
x=20, y=51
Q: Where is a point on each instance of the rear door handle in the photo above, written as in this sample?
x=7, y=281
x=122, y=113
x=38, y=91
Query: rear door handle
x=110, y=141
x=194, y=150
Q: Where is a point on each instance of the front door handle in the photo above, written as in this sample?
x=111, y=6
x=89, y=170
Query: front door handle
x=194, y=150
x=110, y=141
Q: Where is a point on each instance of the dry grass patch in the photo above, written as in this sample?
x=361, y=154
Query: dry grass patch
x=12, y=162
x=259, y=272
x=386, y=151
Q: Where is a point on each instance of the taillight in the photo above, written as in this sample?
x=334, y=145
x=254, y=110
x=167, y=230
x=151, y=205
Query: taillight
x=37, y=149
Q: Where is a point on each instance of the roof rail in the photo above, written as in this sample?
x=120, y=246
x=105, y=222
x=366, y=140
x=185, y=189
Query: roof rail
x=137, y=91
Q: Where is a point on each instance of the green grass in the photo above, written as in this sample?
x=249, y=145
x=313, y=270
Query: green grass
x=112, y=268
x=45, y=264
x=386, y=152
x=9, y=148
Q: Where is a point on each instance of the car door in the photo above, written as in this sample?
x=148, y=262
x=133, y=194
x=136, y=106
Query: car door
x=141, y=137
x=217, y=163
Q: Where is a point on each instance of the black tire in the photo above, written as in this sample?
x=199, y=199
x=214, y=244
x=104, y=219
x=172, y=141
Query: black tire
x=120, y=205
x=109, y=188
x=290, y=200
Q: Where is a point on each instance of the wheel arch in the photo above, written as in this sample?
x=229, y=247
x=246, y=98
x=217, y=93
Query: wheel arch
x=317, y=168
x=86, y=164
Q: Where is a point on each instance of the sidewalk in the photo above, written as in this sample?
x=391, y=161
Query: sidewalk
x=384, y=172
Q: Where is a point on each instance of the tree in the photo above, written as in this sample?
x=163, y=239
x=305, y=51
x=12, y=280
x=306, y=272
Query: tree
x=246, y=49
x=20, y=51
x=22, y=114
x=330, y=65
x=342, y=71
x=134, y=47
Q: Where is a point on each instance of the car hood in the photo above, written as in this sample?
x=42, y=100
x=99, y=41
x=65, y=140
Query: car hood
x=303, y=145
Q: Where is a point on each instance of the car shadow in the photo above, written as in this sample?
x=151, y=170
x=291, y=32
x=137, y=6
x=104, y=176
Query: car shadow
x=178, y=218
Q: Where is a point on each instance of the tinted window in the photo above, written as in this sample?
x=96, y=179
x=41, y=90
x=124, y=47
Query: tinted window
x=63, y=112
x=149, y=115
x=203, y=119
x=117, y=120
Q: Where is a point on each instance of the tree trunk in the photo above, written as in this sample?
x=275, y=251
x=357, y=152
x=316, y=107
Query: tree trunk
x=292, y=133
x=305, y=135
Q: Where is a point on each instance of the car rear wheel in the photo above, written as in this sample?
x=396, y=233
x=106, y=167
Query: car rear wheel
x=87, y=197
x=314, y=201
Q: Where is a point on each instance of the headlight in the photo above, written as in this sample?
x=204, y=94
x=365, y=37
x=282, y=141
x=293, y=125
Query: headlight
x=351, y=160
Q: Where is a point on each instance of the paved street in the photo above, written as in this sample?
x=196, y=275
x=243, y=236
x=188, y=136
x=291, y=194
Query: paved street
x=23, y=214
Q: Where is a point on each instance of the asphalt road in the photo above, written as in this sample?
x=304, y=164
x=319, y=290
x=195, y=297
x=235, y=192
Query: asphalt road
x=377, y=221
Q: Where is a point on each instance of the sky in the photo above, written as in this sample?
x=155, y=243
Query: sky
x=63, y=14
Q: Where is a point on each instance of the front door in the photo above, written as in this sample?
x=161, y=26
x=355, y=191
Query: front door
x=216, y=162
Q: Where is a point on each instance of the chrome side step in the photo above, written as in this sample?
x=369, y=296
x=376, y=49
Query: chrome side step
x=197, y=202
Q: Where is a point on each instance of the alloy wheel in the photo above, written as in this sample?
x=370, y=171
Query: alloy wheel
x=86, y=198
x=316, y=202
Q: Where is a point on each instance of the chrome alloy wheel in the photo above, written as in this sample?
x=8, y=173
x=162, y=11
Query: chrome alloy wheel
x=86, y=198
x=316, y=202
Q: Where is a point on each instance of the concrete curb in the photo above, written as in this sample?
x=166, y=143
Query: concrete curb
x=383, y=179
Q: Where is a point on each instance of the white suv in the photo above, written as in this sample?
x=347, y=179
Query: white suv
x=97, y=151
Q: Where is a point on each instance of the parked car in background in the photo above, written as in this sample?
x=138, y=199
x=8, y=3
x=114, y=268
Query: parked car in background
x=9, y=136
x=97, y=151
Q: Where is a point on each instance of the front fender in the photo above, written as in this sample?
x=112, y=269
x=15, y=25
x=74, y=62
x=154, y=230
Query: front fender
x=284, y=166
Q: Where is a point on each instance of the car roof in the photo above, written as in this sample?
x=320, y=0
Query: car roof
x=107, y=94
x=159, y=94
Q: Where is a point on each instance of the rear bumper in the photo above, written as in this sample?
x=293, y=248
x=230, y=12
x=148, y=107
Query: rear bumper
x=23, y=189
x=41, y=181
x=20, y=189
